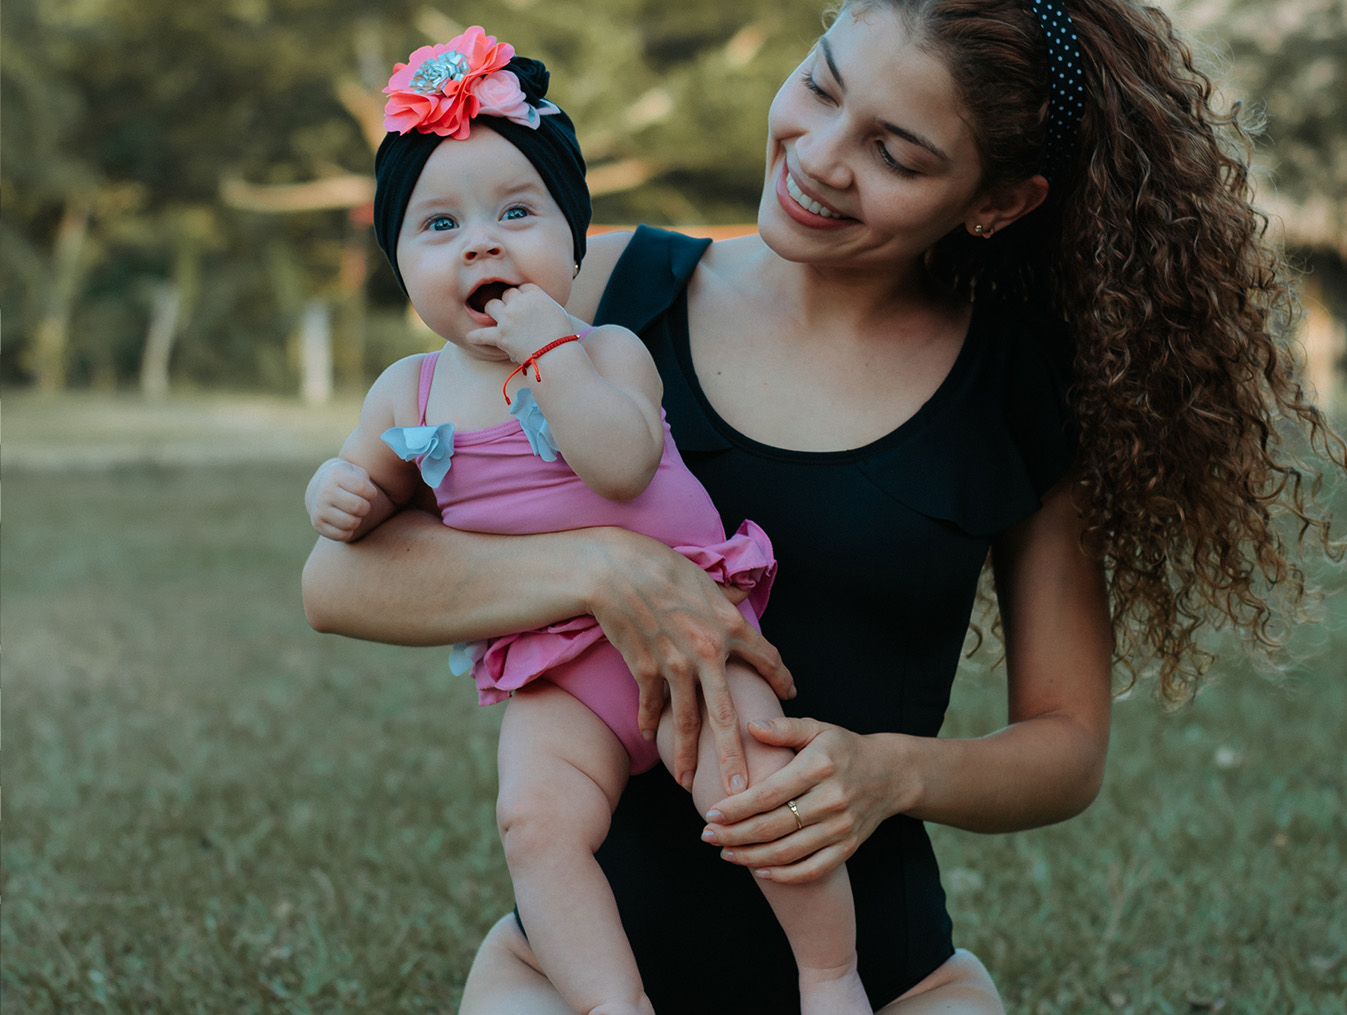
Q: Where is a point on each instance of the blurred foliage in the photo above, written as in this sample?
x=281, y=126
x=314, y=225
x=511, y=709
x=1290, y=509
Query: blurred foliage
x=125, y=120
x=1287, y=62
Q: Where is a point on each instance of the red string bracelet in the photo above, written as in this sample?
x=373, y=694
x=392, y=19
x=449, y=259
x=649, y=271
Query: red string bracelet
x=523, y=367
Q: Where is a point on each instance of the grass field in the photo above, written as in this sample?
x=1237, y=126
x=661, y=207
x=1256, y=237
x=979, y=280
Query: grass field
x=211, y=809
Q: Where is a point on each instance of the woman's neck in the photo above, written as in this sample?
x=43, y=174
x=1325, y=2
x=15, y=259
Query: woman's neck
x=842, y=298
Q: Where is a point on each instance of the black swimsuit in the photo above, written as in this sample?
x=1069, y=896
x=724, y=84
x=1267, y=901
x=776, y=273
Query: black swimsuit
x=880, y=550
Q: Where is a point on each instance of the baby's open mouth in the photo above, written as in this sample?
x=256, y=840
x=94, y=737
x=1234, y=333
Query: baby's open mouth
x=486, y=292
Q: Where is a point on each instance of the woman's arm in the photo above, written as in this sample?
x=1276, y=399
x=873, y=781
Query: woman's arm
x=414, y=581
x=1044, y=766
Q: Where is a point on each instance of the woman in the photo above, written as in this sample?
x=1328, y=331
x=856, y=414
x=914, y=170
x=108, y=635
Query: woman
x=954, y=245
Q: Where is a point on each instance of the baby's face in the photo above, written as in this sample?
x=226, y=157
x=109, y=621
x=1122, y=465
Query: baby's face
x=480, y=220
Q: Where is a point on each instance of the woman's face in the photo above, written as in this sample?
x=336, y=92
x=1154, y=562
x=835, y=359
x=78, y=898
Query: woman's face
x=869, y=159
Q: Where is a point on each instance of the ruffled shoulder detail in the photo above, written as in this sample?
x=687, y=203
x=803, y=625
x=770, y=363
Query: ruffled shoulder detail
x=645, y=294
x=431, y=447
x=534, y=424
x=651, y=273
x=983, y=452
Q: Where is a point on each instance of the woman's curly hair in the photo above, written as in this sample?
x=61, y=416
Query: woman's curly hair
x=1194, y=430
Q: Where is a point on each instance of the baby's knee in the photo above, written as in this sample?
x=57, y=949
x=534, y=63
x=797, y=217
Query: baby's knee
x=533, y=823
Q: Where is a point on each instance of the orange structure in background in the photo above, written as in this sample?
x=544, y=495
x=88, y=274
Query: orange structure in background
x=707, y=232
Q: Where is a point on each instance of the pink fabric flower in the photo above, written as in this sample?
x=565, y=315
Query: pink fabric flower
x=436, y=91
x=500, y=95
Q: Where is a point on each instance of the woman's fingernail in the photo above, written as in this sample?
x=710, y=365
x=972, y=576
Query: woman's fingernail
x=727, y=854
x=737, y=784
x=685, y=780
x=709, y=835
x=764, y=873
x=762, y=724
x=715, y=817
x=647, y=735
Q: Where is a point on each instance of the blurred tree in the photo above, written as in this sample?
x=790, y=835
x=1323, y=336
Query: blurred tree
x=1287, y=61
x=149, y=144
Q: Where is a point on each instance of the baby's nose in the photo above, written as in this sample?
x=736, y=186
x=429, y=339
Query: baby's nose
x=481, y=248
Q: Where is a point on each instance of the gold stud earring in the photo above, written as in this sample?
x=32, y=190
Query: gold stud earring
x=984, y=231
x=577, y=270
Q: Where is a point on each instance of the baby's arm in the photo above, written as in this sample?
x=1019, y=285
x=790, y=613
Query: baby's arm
x=601, y=397
x=368, y=482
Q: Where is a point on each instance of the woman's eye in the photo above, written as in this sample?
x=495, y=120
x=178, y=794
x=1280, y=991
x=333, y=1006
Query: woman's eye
x=517, y=212
x=891, y=163
x=808, y=78
x=442, y=222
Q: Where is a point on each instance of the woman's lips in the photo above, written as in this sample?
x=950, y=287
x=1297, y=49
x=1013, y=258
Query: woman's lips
x=786, y=187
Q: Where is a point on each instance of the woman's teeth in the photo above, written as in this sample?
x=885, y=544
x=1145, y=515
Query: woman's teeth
x=793, y=189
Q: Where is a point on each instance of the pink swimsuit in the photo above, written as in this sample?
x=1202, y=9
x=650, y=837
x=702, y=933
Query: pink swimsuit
x=495, y=482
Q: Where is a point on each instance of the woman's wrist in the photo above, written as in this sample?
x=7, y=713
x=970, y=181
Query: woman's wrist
x=606, y=553
x=901, y=760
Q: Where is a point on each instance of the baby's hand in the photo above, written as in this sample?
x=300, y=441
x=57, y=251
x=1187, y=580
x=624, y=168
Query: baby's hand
x=526, y=320
x=338, y=497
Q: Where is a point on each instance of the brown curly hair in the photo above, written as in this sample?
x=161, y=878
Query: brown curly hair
x=1194, y=430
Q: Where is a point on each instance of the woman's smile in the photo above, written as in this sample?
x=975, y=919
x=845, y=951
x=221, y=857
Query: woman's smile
x=804, y=209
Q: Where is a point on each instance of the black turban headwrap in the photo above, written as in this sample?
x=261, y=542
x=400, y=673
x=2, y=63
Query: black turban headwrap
x=552, y=148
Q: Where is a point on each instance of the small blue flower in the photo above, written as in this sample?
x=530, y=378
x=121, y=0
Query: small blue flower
x=435, y=445
x=463, y=657
x=525, y=409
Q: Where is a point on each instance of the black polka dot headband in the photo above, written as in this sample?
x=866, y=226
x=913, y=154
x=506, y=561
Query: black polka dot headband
x=1067, y=97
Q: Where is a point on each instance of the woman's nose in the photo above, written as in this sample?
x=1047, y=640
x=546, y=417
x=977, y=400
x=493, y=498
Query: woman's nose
x=820, y=153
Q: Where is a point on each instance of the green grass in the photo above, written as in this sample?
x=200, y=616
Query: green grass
x=209, y=808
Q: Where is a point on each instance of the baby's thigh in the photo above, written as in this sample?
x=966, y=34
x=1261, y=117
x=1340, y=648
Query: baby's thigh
x=962, y=986
x=552, y=747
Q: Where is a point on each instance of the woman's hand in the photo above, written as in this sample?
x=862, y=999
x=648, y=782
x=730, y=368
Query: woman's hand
x=675, y=628
x=843, y=785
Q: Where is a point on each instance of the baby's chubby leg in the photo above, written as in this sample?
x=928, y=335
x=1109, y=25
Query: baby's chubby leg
x=561, y=773
x=818, y=918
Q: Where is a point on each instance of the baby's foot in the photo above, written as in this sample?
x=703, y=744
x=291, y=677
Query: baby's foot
x=833, y=992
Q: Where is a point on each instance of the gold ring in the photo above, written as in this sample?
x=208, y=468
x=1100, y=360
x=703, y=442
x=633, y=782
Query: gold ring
x=796, y=811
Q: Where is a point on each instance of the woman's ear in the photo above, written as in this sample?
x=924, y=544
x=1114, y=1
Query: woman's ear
x=999, y=206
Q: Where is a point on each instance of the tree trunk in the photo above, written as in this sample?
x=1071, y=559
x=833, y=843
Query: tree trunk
x=159, y=341
x=50, y=337
x=315, y=353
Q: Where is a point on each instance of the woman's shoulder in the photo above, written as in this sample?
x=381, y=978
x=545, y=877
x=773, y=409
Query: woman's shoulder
x=649, y=275
x=996, y=436
x=623, y=254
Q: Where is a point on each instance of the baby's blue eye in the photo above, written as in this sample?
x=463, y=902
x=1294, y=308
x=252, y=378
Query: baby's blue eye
x=517, y=212
x=440, y=223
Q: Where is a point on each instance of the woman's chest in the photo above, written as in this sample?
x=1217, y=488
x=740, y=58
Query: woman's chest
x=813, y=391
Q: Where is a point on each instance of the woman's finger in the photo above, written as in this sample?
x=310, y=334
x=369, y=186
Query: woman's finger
x=761, y=655
x=790, y=782
x=685, y=718
x=724, y=722
x=811, y=868
x=795, y=846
